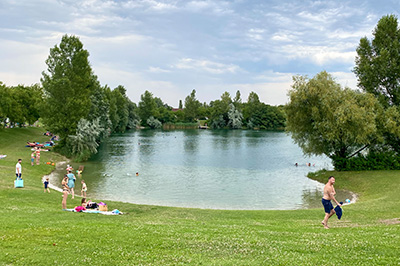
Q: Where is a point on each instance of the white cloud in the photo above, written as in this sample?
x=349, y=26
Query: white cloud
x=216, y=7
x=346, y=79
x=158, y=70
x=256, y=34
x=206, y=65
x=21, y=63
x=319, y=55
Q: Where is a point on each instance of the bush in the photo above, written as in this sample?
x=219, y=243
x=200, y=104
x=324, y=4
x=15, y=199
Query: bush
x=153, y=123
x=374, y=160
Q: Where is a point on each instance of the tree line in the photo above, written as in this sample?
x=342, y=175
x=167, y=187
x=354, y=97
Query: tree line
x=357, y=129
x=71, y=102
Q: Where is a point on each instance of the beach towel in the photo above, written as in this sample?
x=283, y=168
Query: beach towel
x=339, y=211
x=114, y=212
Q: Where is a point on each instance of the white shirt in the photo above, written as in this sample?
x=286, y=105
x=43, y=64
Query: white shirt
x=18, y=168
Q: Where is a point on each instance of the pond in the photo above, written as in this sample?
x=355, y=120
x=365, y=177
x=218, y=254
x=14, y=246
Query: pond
x=214, y=169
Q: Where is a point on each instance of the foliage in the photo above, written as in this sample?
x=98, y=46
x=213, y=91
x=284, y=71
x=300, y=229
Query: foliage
x=133, y=117
x=192, y=106
x=100, y=110
x=20, y=104
x=68, y=84
x=378, y=71
x=84, y=142
x=147, y=107
x=378, y=62
x=325, y=119
x=373, y=160
x=121, y=101
x=235, y=117
x=220, y=108
x=153, y=123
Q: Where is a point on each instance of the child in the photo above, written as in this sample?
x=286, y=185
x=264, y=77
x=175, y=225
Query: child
x=33, y=157
x=84, y=189
x=37, y=151
x=69, y=168
x=46, y=185
x=83, y=203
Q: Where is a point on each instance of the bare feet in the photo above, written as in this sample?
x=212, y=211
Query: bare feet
x=325, y=225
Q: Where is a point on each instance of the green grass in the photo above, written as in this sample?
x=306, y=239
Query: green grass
x=35, y=231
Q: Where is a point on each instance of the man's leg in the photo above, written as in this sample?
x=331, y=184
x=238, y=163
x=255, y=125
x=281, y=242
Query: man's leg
x=327, y=216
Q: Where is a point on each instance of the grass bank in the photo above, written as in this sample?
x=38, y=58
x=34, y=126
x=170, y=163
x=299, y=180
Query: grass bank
x=35, y=231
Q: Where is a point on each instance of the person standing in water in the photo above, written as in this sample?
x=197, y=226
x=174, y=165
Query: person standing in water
x=329, y=194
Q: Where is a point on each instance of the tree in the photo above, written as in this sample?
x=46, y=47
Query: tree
x=220, y=109
x=325, y=119
x=235, y=117
x=237, y=101
x=378, y=62
x=84, y=142
x=252, y=112
x=121, y=100
x=68, y=84
x=100, y=109
x=192, y=106
x=147, y=107
x=153, y=123
x=134, y=120
x=6, y=102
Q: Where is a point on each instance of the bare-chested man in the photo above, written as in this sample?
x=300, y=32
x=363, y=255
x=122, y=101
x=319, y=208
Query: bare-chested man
x=329, y=194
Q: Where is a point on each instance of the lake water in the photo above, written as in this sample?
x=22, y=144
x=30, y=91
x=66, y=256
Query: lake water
x=215, y=169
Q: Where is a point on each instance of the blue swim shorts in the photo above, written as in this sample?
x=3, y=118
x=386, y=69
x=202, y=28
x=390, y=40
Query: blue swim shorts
x=327, y=205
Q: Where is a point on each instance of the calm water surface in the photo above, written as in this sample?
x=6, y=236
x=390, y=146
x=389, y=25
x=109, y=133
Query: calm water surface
x=216, y=169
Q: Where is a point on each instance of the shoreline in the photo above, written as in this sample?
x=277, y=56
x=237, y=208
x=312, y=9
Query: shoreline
x=61, y=165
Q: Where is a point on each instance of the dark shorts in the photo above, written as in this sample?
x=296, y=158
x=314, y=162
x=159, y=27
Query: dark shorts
x=327, y=205
x=18, y=175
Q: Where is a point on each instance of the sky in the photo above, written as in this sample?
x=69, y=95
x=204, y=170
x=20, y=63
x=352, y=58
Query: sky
x=170, y=47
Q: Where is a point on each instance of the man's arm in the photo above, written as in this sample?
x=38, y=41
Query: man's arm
x=333, y=197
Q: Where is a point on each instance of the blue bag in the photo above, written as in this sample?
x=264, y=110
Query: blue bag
x=19, y=183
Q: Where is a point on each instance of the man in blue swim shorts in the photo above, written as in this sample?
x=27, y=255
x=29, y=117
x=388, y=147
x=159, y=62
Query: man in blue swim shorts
x=329, y=194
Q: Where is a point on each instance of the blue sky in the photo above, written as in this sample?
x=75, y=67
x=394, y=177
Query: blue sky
x=171, y=47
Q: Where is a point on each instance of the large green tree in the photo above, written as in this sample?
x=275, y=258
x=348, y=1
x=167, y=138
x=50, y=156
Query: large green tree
x=378, y=62
x=219, y=111
x=147, y=107
x=68, y=84
x=192, y=106
x=122, y=103
x=325, y=119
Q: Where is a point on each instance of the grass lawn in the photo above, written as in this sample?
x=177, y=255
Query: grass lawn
x=35, y=231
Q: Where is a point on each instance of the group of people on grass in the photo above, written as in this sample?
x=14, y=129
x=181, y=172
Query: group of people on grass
x=35, y=156
x=68, y=185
